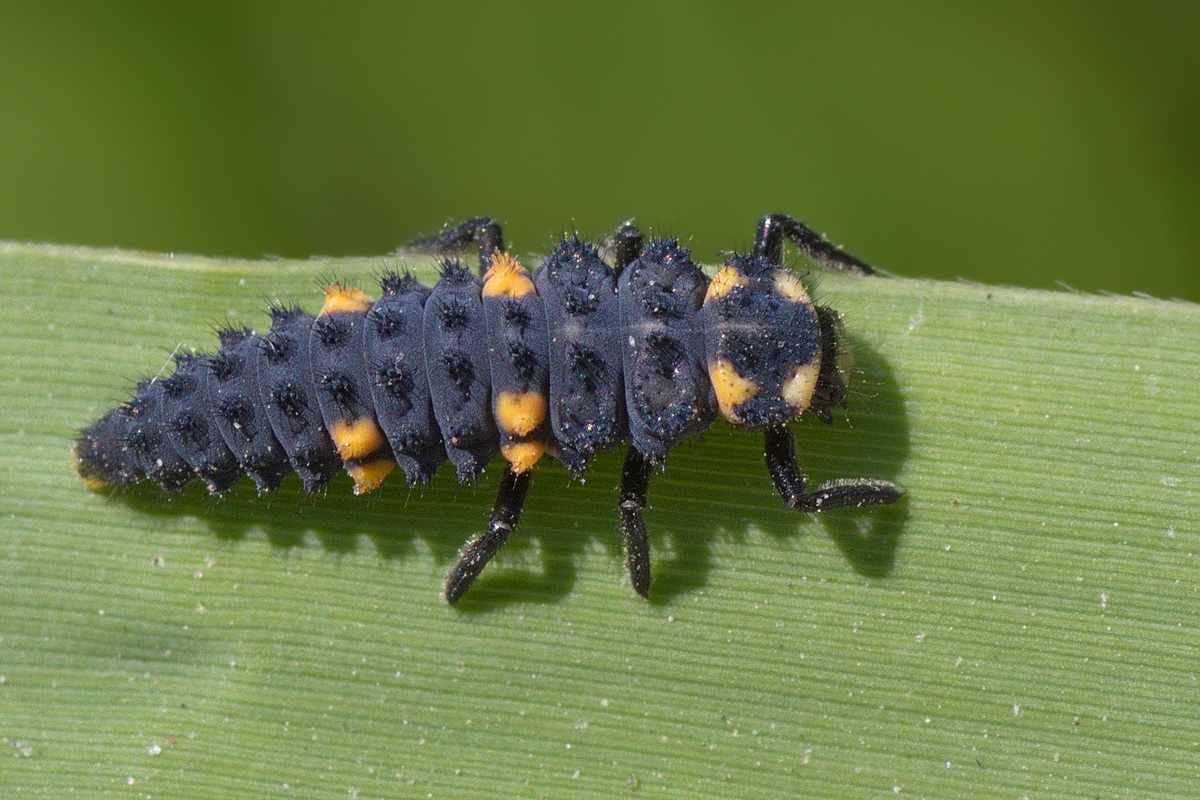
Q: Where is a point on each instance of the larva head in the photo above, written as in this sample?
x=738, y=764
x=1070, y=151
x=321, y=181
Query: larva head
x=763, y=342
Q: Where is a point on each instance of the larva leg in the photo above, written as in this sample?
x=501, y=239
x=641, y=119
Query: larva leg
x=773, y=228
x=626, y=243
x=841, y=493
x=480, y=549
x=484, y=232
x=635, y=478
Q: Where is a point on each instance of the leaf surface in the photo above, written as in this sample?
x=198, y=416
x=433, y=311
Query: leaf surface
x=1023, y=625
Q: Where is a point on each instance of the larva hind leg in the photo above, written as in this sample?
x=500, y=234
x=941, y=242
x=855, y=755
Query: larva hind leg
x=789, y=482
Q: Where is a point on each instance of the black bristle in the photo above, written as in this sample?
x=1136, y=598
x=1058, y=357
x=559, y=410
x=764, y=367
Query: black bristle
x=394, y=283
x=666, y=353
x=289, y=399
x=524, y=360
x=282, y=313
x=516, y=314
x=396, y=380
x=588, y=367
x=332, y=330
x=454, y=272
x=276, y=348
x=224, y=364
x=454, y=314
x=192, y=429
x=389, y=322
x=340, y=388
x=231, y=336
x=179, y=384
x=460, y=370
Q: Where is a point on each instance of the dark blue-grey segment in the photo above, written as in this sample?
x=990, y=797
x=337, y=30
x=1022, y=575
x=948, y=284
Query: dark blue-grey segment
x=230, y=381
x=338, y=358
x=395, y=357
x=285, y=390
x=667, y=391
x=517, y=354
x=100, y=453
x=146, y=441
x=456, y=362
x=583, y=316
x=191, y=429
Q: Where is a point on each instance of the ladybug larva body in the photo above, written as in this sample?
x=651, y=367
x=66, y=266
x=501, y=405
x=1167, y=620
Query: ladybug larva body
x=569, y=361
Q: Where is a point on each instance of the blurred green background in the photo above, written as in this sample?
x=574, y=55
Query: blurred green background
x=1015, y=142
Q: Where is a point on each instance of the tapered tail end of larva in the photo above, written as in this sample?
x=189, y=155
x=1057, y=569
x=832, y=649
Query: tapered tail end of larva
x=97, y=457
x=83, y=460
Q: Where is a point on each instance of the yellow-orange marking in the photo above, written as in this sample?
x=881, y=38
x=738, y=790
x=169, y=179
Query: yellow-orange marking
x=356, y=438
x=368, y=476
x=94, y=483
x=344, y=298
x=730, y=387
x=506, y=278
x=523, y=455
x=519, y=413
x=797, y=391
x=791, y=287
x=725, y=281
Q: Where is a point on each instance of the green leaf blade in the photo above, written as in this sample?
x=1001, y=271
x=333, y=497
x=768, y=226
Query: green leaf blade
x=1023, y=625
